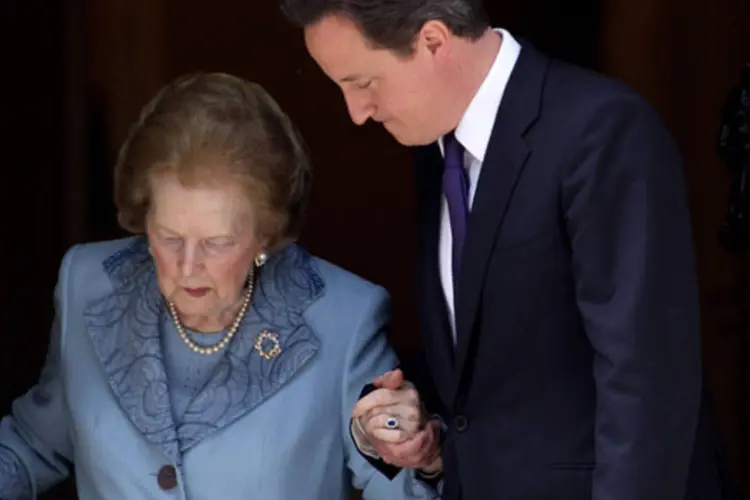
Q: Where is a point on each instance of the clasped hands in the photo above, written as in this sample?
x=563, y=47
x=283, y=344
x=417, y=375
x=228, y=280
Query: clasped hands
x=414, y=442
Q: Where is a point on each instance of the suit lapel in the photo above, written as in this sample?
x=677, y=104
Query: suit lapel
x=504, y=161
x=124, y=330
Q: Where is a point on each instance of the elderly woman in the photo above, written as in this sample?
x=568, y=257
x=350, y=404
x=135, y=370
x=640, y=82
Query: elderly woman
x=207, y=356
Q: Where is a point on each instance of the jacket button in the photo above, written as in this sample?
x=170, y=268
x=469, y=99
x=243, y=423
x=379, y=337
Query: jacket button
x=167, y=477
x=461, y=423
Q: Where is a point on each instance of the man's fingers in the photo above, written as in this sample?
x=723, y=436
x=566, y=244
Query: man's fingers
x=407, y=395
x=415, y=453
x=384, y=377
x=416, y=447
x=378, y=397
x=408, y=449
x=433, y=427
x=393, y=380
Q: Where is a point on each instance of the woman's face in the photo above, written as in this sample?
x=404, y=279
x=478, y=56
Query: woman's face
x=203, y=243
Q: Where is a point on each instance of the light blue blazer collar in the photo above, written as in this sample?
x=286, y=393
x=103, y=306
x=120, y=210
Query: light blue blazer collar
x=124, y=327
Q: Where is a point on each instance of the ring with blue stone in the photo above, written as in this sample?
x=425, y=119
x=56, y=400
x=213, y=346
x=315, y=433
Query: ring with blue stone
x=391, y=423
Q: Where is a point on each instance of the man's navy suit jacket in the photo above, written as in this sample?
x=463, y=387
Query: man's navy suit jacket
x=577, y=370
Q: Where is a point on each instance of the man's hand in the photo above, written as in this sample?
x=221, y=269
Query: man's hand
x=415, y=444
x=393, y=398
x=421, y=452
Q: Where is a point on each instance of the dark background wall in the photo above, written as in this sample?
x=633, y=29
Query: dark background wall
x=76, y=72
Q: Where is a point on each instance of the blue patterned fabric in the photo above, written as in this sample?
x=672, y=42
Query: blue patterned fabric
x=125, y=330
x=188, y=372
x=115, y=397
x=14, y=480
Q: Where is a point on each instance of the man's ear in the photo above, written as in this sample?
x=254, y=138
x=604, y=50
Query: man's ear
x=434, y=36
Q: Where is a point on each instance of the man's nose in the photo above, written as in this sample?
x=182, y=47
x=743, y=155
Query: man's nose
x=360, y=108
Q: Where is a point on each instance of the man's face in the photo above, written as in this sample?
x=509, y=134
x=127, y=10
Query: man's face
x=404, y=93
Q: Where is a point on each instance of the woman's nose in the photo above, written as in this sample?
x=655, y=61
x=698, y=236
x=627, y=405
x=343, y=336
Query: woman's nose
x=191, y=260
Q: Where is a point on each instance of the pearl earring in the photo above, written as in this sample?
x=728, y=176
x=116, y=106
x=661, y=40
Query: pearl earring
x=261, y=259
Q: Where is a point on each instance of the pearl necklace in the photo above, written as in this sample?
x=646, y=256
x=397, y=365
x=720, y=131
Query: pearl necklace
x=230, y=333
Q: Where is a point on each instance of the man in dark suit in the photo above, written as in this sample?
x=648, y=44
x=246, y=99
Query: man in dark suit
x=559, y=304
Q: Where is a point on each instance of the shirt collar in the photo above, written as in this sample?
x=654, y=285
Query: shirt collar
x=475, y=127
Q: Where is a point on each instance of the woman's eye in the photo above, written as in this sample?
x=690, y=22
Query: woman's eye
x=218, y=245
x=365, y=86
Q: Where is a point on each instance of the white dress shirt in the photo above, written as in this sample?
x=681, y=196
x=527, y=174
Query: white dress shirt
x=473, y=132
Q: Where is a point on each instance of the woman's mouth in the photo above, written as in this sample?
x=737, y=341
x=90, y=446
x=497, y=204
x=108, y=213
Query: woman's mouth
x=197, y=292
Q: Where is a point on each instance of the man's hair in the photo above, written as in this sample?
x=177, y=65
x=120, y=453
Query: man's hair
x=393, y=24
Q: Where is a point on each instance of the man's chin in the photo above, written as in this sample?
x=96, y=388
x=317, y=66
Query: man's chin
x=408, y=140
